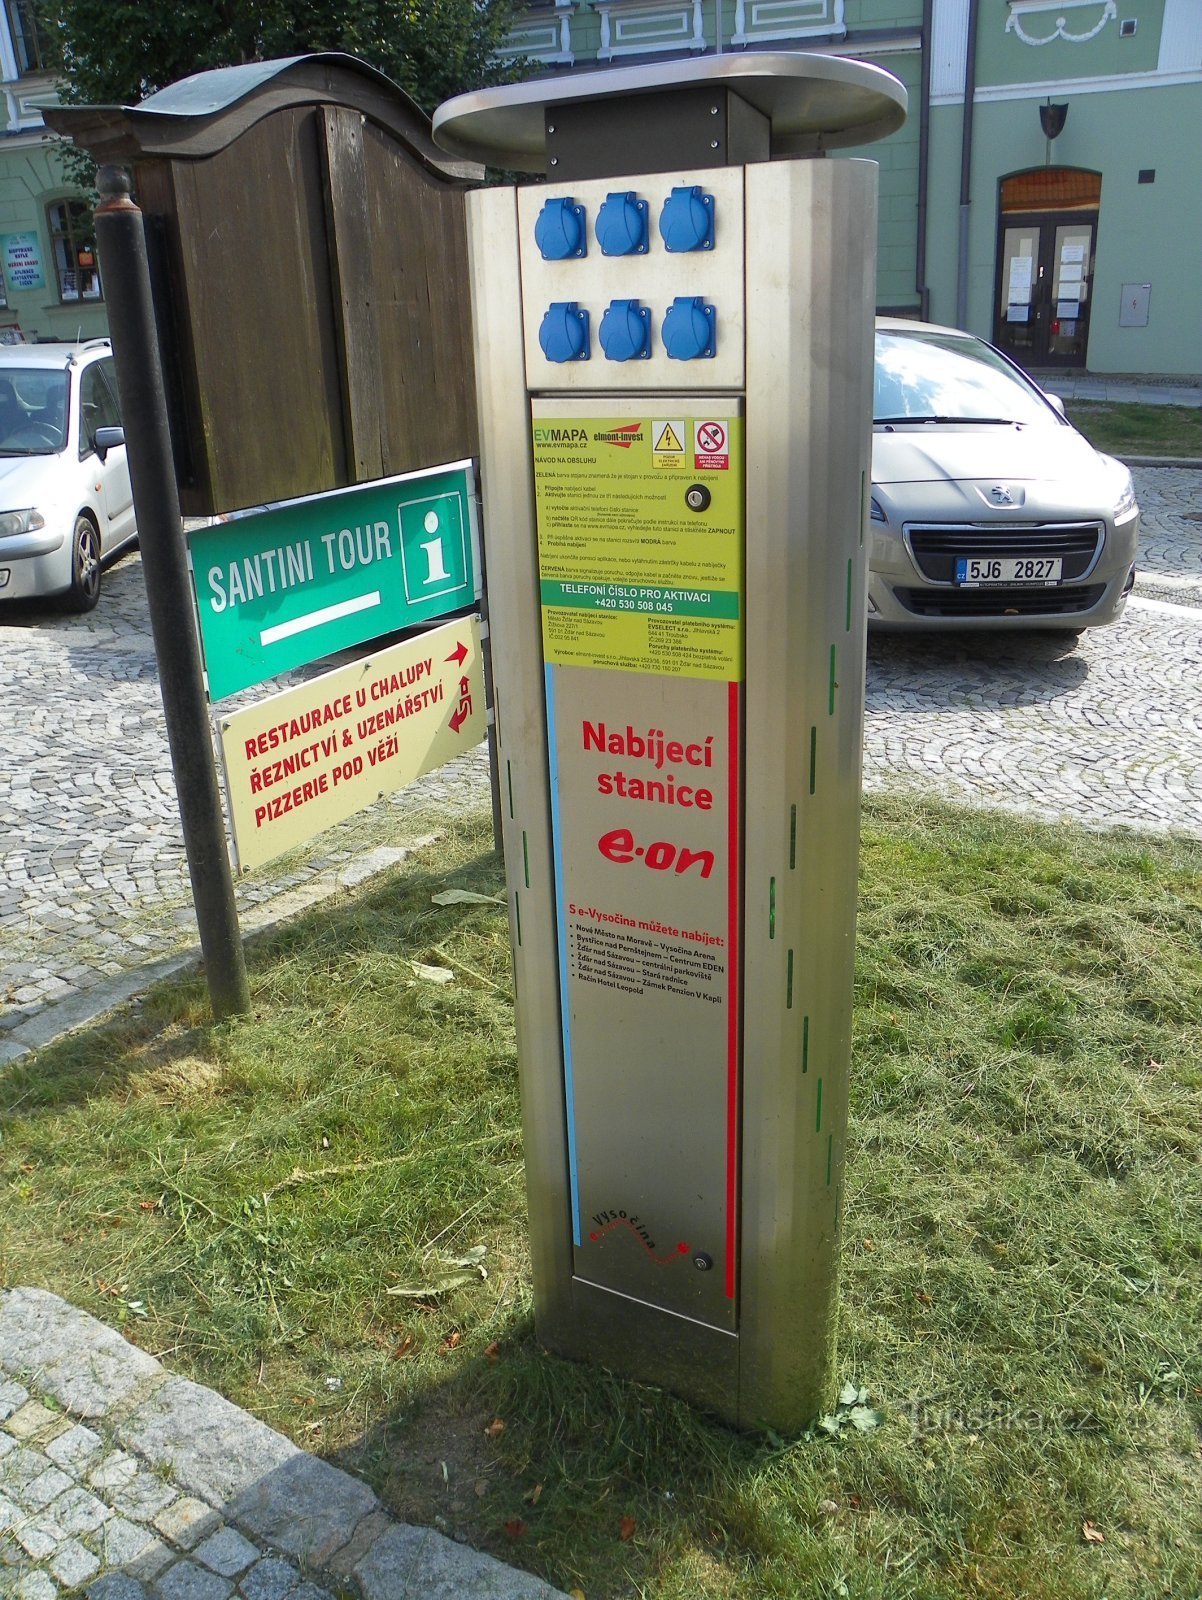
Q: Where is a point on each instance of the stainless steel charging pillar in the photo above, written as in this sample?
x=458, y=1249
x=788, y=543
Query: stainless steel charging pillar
x=674, y=358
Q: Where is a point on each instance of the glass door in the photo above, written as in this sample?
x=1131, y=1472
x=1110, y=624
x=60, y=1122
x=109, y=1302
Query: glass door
x=1017, y=299
x=1045, y=271
x=1072, y=272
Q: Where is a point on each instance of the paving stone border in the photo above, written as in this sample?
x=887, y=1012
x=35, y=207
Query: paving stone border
x=120, y=1481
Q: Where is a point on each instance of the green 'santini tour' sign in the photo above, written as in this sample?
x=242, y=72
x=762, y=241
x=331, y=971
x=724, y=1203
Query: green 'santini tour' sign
x=281, y=587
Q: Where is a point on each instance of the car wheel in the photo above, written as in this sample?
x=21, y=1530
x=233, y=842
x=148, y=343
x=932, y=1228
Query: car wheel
x=85, y=565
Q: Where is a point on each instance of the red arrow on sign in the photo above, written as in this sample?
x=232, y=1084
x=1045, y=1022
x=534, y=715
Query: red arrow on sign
x=459, y=717
x=459, y=654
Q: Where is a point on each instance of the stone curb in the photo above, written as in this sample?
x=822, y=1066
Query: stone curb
x=118, y=1509
x=1161, y=461
x=80, y=1010
x=62, y=1017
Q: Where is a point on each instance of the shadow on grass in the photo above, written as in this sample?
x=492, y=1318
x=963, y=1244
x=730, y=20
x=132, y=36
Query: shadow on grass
x=587, y=1478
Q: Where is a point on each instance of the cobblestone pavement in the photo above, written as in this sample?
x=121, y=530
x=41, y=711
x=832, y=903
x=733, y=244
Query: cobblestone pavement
x=119, y=1481
x=94, y=895
x=1105, y=732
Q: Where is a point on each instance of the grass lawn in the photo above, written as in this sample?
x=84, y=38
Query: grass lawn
x=1022, y=1261
x=1124, y=428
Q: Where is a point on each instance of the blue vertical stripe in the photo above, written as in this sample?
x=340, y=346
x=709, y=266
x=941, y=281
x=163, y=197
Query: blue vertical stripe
x=562, y=923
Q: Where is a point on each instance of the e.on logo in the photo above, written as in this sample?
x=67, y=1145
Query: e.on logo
x=618, y=846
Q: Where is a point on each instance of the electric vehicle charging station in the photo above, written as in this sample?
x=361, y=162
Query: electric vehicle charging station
x=673, y=342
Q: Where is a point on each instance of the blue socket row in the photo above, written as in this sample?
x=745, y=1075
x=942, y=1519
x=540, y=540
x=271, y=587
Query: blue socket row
x=689, y=331
x=686, y=223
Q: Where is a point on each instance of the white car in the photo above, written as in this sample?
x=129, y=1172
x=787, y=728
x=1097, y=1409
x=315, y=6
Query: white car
x=66, y=507
x=989, y=510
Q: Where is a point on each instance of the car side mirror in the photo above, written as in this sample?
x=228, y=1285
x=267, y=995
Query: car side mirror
x=1055, y=401
x=106, y=439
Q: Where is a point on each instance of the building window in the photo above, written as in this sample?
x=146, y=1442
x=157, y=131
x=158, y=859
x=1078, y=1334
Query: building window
x=656, y=26
x=73, y=246
x=542, y=31
x=27, y=40
x=760, y=20
x=1052, y=189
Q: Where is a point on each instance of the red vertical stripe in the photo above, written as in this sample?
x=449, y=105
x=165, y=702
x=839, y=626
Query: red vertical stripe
x=734, y=878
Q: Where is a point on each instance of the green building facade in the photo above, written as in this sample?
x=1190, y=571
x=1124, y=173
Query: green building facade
x=1075, y=244
x=50, y=284
x=1045, y=189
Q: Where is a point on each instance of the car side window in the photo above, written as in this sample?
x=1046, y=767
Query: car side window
x=97, y=407
x=109, y=368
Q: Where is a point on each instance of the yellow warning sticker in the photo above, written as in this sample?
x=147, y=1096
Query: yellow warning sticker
x=667, y=445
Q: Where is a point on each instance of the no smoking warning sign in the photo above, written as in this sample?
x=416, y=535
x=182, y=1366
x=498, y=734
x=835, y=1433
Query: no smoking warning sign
x=711, y=445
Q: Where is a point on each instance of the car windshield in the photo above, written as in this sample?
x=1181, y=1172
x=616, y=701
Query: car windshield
x=937, y=377
x=33, y=411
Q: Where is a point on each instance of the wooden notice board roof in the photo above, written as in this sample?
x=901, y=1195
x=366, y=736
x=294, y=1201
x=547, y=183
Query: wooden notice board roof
x=203, y=114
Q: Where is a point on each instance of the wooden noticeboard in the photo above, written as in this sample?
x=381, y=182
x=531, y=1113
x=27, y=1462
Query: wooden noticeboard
x=308, y=247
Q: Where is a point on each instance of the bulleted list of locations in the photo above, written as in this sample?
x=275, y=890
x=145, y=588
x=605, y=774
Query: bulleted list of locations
x=637, y=963
x=640, y=539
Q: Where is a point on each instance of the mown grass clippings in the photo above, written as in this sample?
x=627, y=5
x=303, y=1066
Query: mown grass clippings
x=1127, y=428
x=1022, y=1256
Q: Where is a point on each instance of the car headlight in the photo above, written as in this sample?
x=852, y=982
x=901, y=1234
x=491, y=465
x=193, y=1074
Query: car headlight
x=877, y=513
x=14, y=522
x=1125, y=506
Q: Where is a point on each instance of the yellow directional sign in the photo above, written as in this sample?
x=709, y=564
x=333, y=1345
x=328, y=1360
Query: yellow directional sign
x=306, y=758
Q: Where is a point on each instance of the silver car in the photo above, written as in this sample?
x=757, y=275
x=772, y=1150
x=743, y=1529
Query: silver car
x=66, y=506
x=989, y=510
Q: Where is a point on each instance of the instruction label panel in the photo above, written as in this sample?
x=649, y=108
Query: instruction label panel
x=640, y=538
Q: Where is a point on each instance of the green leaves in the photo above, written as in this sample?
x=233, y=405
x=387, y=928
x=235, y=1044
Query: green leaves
x=446, y=1273
x=851, y=1413
x=119, y=51
x=466, y=897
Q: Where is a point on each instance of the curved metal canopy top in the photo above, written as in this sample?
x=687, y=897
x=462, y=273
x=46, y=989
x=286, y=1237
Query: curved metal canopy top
x=813, y=102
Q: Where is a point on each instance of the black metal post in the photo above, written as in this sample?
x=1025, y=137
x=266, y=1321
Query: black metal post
x=966, y=120
x=121, y=242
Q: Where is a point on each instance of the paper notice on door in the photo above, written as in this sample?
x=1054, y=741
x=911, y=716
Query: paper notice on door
x=1019, y=292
